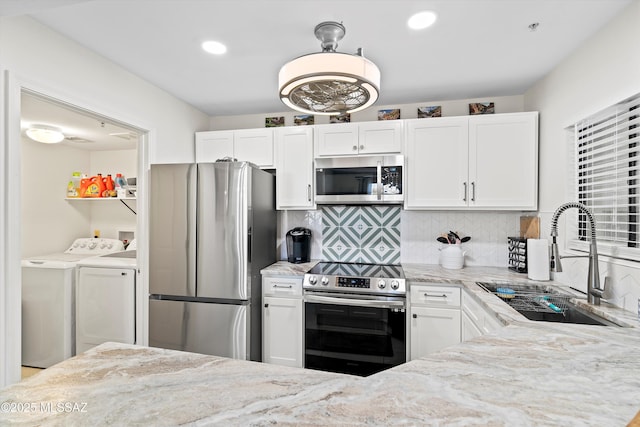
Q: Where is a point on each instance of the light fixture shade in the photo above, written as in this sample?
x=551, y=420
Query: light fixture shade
x=45, y=134
x=329, y=82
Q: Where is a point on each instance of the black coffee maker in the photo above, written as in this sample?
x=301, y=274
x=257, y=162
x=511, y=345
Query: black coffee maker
x=298, y=245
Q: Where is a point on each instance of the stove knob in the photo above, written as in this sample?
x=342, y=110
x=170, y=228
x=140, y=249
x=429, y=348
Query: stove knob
x=313, y=280
x=324, y=281
x=382, y=284
x=395, y=284
x=92, y=245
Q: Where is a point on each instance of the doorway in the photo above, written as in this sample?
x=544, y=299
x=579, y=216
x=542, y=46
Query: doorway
x=49, y=221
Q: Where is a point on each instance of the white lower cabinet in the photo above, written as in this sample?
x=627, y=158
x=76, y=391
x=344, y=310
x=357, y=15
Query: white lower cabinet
x=282, y=321
x=476, y=320
x=435, y=318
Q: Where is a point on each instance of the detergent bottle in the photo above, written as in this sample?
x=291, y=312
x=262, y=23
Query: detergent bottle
x=84, y=183
x=121, y=186
x=96, y=187
x=108, y=186
x=73, y=187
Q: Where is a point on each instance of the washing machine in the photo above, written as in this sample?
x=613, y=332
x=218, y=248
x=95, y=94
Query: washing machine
x=48, y=303
x=106, y=299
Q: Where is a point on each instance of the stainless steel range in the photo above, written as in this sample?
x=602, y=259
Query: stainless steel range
x=355, y=317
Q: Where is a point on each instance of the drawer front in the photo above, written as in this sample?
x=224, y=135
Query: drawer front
x=282, y=286
x=435, y=296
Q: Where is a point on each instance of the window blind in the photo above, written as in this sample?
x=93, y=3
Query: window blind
x=608, y=173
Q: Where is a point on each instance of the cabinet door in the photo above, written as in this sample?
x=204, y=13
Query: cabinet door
x=294, y=168
x=255, y=146
x=503, y=167
x=339, y=139
x=282, y=331
x=214, y=145
x=437, y=163
x=433, y=329
x=380, y=137
x=469, y=328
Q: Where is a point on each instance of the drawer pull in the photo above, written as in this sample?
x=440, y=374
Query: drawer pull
x=283, y=286
x=426, y=295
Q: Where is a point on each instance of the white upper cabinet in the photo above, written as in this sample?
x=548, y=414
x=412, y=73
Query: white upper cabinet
x=349, y=139
x=255, y=146
x=478, y=162
x=437, y=159
x=294, y=168
x=503, y=161
x=251, y=145
x=214, y=145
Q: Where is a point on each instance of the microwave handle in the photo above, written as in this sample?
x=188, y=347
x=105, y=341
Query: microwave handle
x=379, y=189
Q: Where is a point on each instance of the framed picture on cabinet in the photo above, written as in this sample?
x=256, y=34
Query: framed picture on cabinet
x=303, y=120
x=432, y=111
x=272, y=122
x=392, y=114
x=340, y=118
x=481, y=108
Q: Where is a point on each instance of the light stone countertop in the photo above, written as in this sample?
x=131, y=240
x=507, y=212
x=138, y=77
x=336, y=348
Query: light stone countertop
x=525, y=374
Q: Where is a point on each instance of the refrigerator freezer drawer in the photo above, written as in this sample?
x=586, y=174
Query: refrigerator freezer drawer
x=199, y=327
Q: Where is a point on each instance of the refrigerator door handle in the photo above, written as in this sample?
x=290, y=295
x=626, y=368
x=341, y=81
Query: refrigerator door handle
x=192, y=202
x=249, y=231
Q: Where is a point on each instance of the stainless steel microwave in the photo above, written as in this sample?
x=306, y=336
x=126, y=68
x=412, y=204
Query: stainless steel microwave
x=360, y=180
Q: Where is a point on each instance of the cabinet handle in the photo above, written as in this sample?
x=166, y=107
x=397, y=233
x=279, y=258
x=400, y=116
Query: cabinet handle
x=434, y=296
x=355, y=148
x=464, y=197
x=266, y=305
x=473, y=191
x=283, y=286
x=309, y=192
x=123, y=273
x=362, y=147
x=415, y=316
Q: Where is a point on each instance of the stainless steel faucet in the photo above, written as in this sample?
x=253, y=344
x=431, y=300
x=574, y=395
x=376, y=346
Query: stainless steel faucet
x=594, y=291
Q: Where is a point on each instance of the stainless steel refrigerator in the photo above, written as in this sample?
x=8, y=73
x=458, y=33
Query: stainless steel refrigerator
x=212, y=229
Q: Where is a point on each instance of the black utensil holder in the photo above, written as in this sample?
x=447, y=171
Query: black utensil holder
x=517, y=254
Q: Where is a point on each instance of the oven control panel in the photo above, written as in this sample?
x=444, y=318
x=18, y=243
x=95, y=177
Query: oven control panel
x=370, y=285
x=353, y=282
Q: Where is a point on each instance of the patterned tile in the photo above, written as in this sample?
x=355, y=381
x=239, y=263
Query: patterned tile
x=362, y=234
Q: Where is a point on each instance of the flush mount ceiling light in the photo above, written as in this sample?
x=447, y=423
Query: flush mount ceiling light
x=214, y=47
x=329, y=82
x=422, y=20
x=45, y=134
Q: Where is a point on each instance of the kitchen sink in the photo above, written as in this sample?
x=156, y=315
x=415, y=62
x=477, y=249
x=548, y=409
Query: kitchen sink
x=543, y=303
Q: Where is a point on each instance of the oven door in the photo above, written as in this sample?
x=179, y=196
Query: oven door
x=354, y=334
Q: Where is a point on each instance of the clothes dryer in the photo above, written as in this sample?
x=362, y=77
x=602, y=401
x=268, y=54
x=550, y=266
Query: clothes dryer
x=48, y=304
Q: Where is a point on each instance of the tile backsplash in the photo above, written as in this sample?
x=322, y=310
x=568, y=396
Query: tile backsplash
x=363, y=234
x=349, y=232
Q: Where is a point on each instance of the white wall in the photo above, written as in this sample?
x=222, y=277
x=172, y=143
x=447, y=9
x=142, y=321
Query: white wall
x=602, y=72
x=44, y=61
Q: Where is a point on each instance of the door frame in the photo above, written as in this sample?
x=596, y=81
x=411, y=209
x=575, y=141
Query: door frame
x=11, y=87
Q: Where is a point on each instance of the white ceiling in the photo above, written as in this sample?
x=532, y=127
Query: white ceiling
x=476, y=49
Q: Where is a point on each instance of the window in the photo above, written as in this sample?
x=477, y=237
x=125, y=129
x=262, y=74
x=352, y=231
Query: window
x=608, y=176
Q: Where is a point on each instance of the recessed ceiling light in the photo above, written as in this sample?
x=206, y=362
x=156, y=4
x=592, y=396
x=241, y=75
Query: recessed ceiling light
x=422, y=20
x=214, y=47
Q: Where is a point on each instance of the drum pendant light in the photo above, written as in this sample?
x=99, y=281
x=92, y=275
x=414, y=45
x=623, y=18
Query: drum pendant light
x=329, y=82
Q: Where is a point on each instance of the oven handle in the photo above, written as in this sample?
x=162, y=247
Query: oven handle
x=354, y=301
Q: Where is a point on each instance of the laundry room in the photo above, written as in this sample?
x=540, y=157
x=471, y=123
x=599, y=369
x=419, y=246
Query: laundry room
x=51, y=221
x=78, y=204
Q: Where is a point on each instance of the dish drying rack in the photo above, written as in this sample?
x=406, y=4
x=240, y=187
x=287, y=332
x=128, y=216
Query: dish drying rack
x=528, y=298
x=523, y=300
